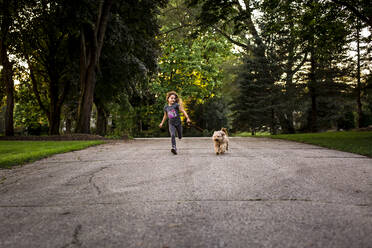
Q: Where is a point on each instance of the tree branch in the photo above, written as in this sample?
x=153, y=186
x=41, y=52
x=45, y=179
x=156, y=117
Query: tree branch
x=355, y=11
x=249, y=23
x=176, y=28
x=232, y=40
x=63, y=95
x=34, y=87
x=301, y=64
x=101, y=28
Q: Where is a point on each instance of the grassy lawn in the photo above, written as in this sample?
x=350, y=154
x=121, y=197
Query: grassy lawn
x=249, y=134
x=355, y=142
x=20, y=152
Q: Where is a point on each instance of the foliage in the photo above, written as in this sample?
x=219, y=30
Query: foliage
x=192, y=69
x=122, y=83
x=257, y=99
x=325, y=34
x=361, y=9
x=28, y=115
x=280, y=66
x=192, y=64
x=48, y=46
x=294, y=56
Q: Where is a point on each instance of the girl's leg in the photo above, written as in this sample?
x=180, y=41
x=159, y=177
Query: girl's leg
x=179, y=131
x=172, y=131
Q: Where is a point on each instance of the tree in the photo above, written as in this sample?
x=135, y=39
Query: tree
x=362, y=9
x=192, y=63
x=255, y=104
x=91, y=41
x=325, y=35
x=8, y=13
x=271, y=41
x=359, y=63
x=358, y=87
x=27, y=112
x=294, y=49
x=127, y=66
x=280, y=29
x=48, y=47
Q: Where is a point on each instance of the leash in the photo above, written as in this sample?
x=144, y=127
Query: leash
x=190, y=124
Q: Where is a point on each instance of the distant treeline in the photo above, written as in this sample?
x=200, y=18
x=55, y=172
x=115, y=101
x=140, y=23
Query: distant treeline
x=105, y=66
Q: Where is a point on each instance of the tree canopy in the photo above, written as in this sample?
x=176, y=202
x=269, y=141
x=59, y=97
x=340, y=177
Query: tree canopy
x=105, y=66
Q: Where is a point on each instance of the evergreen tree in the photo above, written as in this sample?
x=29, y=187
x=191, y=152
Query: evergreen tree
x=129, y=60
x=256, y=103
x=325, y=35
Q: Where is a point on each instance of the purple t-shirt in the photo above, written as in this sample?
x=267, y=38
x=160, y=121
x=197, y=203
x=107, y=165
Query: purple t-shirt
x=173, y=113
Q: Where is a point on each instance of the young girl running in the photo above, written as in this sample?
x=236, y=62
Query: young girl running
x=172, y=109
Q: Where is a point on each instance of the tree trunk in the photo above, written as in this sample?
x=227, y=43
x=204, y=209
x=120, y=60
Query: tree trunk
x=286, y=115
x=68, y=125
x=56, y=96
x=101, y=118
x=54, y=117
x=358, y=88
x=87, y=82
x=9, y=86
x=54, y=122
x=286, y=122
x=91, y=47
x=312, y=91
x=101, y=122
x=314, y=114
x=273, y=129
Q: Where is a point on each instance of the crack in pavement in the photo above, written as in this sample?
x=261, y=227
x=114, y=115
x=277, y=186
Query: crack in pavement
x=98, y=190
x=7, y=183
x=81, y=161
x=148, y=197
x=75, y=238
x=161, y=180
x=187, y=201
x=337, y=157
x=90, y=175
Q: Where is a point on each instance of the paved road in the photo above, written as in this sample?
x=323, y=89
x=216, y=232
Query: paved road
x=263, y=193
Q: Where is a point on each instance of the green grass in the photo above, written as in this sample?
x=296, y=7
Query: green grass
x=352, y=141
x=249, y=134
x=20, y=152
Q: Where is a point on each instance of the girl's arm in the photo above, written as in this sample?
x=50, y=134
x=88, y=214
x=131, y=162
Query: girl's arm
x=164, y=118
x=184, y=112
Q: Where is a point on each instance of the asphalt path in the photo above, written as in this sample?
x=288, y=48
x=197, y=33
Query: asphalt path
x=262, y=193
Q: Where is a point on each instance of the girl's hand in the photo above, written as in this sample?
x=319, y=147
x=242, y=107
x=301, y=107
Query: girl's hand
x=161, y=125
x=188, y=120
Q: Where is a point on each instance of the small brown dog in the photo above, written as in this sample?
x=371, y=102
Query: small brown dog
x=221, y=141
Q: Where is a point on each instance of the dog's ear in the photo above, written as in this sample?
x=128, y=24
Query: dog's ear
x=224, y=130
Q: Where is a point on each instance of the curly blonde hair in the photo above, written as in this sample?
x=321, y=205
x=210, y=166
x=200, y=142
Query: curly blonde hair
x=178, y=99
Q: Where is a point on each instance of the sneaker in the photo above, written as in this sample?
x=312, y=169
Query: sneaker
x=174, y=151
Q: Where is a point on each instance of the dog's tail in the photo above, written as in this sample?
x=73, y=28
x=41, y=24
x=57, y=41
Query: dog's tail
x=224, y=130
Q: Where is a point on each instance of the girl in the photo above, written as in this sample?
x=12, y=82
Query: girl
x=172, y=109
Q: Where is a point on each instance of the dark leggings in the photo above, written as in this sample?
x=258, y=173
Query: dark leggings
x=172, y=130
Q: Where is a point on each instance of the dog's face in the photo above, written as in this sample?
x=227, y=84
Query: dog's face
x=218, y=136
x=221, y=141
